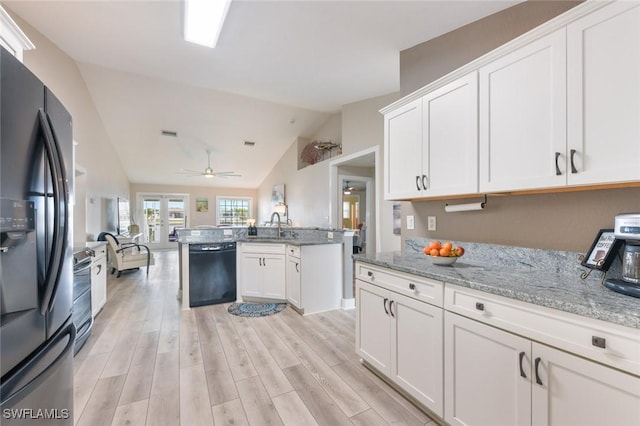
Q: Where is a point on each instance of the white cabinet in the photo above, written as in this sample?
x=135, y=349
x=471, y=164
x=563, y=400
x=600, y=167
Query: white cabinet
x=497, y=378
x=293, y=277
x=314, y=277
x=11, y=36
x=99, y=279
x=603, y=69
x=403, y=152
x=450, y=143
x=569, y=390
x=262, y=271
x=483, y=381
x=401, y=337
x=431, y=144
x=523, y=117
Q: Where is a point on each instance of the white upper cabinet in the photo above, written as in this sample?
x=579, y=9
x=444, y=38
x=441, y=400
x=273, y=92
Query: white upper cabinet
x=557, y=107
x=450, y=128
x=403, y=152
x=603, y=71
x=11, y=36
x=523, y=117
x=431, y=143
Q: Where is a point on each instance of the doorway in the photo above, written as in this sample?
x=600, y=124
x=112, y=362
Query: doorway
x=356, y=207
x=160, y=216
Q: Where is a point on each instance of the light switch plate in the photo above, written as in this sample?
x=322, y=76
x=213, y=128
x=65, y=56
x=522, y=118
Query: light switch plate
x=411, y=222
x=330, y=235
x=431, y=223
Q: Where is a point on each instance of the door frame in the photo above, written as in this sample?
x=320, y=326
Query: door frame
x=163, y=196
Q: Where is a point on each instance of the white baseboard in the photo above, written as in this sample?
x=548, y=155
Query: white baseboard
x=348, y=303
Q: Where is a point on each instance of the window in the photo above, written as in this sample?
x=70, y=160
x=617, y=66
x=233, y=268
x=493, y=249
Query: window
x=233, y=211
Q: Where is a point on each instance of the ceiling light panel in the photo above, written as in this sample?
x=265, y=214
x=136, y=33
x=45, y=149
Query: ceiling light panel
x=203, y=20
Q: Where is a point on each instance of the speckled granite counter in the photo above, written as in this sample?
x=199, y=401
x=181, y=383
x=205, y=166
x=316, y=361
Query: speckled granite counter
x=294, y=236
x=540, y=277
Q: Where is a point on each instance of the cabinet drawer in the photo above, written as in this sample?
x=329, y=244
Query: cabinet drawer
x=263, y=248
x=607, y=343
x=293, y=251
x=419, y=288
x=100, y=251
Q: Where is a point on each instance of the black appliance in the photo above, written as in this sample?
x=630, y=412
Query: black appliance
x=82, y=316
x=36, y=270
x=212, y=273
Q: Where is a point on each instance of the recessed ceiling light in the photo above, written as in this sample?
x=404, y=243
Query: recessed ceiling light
x=203, y=20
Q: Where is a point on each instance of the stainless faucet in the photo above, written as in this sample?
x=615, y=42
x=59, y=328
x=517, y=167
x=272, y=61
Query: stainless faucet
x=280, y=233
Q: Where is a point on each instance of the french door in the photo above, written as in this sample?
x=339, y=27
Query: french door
x=160, y=216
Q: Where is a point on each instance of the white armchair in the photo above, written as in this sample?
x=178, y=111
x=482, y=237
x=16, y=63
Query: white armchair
x=126, y=256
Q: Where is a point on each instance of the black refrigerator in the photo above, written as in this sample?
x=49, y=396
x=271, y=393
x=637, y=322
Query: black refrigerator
x=36, y=264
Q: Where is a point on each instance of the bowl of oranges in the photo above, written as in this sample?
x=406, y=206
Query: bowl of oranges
x=443, y=253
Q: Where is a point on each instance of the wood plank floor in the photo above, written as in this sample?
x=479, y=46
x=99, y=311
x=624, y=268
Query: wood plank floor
x=149, y=362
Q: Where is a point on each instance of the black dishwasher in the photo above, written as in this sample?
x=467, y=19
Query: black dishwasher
x=212, y=273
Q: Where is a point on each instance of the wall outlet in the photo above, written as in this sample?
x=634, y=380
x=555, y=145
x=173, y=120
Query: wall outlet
x=411, y=222
x=431, y=223
x=228, y=232
x=330, y=235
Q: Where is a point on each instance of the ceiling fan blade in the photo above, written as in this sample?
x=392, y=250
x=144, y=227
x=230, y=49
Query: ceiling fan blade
x=227, y=174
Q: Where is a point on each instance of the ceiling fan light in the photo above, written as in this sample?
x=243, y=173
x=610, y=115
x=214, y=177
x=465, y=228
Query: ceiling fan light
x=203, y=20
x=208, y=175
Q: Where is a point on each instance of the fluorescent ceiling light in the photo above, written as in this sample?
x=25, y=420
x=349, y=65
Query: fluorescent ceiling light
x=203, y=20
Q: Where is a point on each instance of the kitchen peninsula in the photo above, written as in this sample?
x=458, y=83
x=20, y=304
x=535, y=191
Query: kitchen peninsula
x=506, y=335
x=304, y=266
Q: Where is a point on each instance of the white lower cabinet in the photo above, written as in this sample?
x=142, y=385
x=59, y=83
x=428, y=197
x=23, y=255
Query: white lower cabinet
x=314, y=277
x=293, y=281
x=99, y=280
x=262, y=271
x=483, y=382
x=493, y=377
x=402, y=338
x=575, y=391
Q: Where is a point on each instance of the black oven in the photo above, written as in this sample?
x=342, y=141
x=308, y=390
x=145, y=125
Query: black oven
x=82, y=318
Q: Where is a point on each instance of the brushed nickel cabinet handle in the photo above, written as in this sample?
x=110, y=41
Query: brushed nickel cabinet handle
x=573, y=166
x=522, y=373
x=558, y=172
x=480, y=306
x=599, y=342
x=384, y=304
x=537, y=366
x=412, y=286
x=418, y=183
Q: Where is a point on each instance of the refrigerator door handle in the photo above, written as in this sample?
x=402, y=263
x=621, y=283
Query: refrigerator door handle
x=7, y=392
x=60, y=218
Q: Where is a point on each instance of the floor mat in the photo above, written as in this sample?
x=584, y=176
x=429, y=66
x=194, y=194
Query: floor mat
x=255, y=309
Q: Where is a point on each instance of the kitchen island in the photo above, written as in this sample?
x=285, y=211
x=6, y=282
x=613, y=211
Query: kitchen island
x=304, y=266
x=505, y=335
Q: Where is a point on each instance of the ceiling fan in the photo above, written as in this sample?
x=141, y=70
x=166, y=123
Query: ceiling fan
x=208, y=171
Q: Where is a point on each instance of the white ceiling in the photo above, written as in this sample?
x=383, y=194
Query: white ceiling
x=275, y=62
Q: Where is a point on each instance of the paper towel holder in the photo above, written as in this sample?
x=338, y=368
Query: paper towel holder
x=466, y=207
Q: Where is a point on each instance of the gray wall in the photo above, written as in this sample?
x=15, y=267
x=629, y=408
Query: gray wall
x=560, y=221
x=428, y=61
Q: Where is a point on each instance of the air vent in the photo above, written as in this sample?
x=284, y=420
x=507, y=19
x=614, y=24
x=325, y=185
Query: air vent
x=249, y=143
x=169, y=133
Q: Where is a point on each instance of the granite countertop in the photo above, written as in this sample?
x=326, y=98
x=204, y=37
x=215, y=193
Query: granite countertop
x=293, y=236
x=79, y=246
x=551, y=288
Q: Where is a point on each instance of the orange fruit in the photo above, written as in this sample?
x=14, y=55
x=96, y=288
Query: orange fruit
x=447, y=246
x=426, y=250
x=435, y=245
x=445, y=252
x=434, y=252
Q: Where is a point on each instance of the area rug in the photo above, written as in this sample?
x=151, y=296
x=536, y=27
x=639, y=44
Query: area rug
x=255, y=309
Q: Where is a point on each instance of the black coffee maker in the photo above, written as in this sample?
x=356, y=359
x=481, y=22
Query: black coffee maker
x=627, y=228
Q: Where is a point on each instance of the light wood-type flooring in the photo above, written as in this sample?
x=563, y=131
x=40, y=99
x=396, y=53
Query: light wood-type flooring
x=148, y=362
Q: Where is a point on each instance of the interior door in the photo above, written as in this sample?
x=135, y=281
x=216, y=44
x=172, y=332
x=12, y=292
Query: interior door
x=161, y=215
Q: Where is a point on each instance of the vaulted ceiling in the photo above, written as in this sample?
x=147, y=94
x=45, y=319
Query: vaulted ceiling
x=280, y=69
